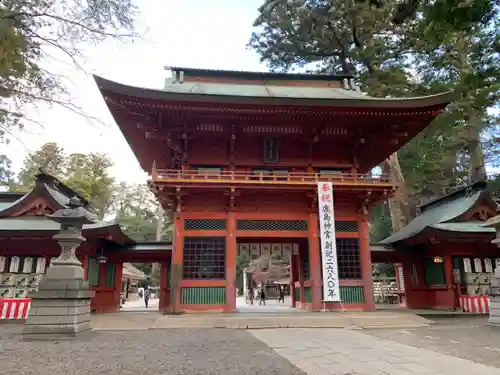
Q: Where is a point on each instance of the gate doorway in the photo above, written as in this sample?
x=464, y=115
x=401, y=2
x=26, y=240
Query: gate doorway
x=140, y=287
x=264, y=270
x=126, y=274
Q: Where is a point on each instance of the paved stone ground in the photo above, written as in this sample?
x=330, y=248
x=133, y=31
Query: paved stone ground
x=152, y=352
x=257, y=320
x=272, y=306
x=447, y=348
x=138, y=305
x=349, y=352
x=470, y=338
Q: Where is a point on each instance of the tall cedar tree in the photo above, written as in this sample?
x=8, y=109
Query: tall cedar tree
x=361, y=39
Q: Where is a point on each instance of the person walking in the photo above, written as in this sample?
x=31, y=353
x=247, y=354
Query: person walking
x=250, y=296
x=281, y=293
x=147, y=296
x=262, y=300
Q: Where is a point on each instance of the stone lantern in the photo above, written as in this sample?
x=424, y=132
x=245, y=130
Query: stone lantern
x=494, y=294
x=61, y=306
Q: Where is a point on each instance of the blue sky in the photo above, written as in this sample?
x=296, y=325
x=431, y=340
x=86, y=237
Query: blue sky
x=192, y=33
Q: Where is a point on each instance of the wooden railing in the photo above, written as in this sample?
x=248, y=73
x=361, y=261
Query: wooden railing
x=248, y=177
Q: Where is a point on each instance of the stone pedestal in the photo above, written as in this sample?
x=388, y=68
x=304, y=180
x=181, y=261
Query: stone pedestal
x=494, y=310
x=61, y=307
x=494, y=293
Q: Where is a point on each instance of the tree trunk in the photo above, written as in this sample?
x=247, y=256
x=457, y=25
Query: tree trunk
x=476, y=169
x=399, y=203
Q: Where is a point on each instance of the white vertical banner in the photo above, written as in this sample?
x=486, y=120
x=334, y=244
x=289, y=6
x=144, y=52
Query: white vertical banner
x=326, y=215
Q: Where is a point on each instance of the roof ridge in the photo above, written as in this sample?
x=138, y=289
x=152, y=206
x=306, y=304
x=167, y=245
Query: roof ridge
x=56, y=184
x=461, y=191
x=257, y=74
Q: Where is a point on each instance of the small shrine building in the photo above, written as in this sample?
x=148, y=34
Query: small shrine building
x=445, y=258
x=27, y=247
x=237, y=157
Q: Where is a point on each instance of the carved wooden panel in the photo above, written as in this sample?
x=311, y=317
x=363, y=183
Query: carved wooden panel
x=37, y=208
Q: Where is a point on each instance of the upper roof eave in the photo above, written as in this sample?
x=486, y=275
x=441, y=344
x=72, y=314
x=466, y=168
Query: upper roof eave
x=110, y=87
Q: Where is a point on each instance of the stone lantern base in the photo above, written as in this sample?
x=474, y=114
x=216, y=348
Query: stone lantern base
x=61, y=306
x=494, y=310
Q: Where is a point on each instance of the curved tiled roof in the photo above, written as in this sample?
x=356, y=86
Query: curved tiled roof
x=57, y=195
x=270, y=95
x=131, y=271
x=440, y=214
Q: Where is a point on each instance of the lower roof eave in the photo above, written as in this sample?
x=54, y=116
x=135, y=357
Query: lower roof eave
x=381, y=248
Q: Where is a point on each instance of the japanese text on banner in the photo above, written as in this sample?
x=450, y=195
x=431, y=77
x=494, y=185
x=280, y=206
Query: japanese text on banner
x=331, y=288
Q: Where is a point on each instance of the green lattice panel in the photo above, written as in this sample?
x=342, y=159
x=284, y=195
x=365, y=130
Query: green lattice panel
x=349, y=294
x=204, y=224
x=203, y=296
x=93, y=272
x=109, y=279
x=272, y=225
x=352, y=294
x=308, y=294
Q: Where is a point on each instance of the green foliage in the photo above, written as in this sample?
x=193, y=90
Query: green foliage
x=50, y=157
x=6, y=173
x=380, y=226
x=32, y=30
x=494, y=185
x=137, y=211
x=384, y=270
x=133, y=206
x=87, y=174
x=447, y=15
x=438, y=46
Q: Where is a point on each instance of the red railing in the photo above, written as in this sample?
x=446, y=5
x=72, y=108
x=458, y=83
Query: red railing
x=248, y=177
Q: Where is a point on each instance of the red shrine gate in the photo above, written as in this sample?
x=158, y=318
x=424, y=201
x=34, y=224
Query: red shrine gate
x=237, y=157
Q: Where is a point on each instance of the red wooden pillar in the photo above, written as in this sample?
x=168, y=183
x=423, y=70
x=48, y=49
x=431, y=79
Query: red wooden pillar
x=413, y=279
x=163, y=302
x=300, y=265
x=231, y=263
x=366, y=262
x=293, y=278
x=448, y=279
x=177, y=251
x=314, y=262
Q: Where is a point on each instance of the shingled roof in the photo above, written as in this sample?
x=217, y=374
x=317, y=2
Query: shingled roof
x=270, y=93
x=444, y=214
x=57, y=195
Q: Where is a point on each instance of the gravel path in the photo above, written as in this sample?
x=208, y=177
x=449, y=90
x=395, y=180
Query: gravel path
x=152, y=352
